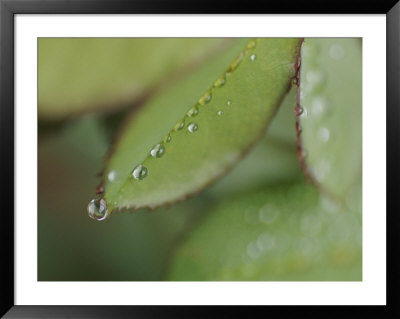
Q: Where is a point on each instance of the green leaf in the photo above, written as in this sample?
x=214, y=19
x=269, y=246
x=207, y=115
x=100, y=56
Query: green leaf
x=234, y=100
x=80, y=75
x=331, y=99
x=273, y=160
x=280, y=233
x=73, y=247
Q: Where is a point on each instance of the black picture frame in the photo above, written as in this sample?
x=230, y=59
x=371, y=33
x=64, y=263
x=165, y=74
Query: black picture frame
x=8, y=10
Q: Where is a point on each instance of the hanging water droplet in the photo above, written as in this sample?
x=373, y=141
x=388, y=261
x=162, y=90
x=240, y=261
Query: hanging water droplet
x=180, y=125
x=97, y=209
x=193, y=111
x=252, y=44
x=253, y=57
x=206, y=98
x=295, y=81
x=168, y=138
x=229, y=102
x=112, y=176
x=140, y=172
x=192, y=127
x=157, y=151
x=220, y=82
x=220, y=113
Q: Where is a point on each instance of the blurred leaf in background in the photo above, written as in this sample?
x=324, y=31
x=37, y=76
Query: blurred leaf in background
x=80, y=75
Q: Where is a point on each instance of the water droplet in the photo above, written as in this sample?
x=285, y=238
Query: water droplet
x=229, y=102
x=323, y=134
x=304, y=113
x=157, y=151
x=206, y=98
x=268, y=213
x=180, y=125
x=220, y=82
x=236, y=63
x=140, y=172
x=252, y=44
x=192, y=127
x=220, y=113
x=295, y=81
x=97, y=209
x=168, y=138
x=299, y=110
x=253, y=57
x=193, y=111
x=336, y=52
x=112, y=176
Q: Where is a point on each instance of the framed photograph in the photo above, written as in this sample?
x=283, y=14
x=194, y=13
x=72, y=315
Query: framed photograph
x=157, y=155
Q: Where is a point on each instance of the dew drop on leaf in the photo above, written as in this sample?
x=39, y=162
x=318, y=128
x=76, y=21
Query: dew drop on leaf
x=220, y=81
x=206, y=98
x=220, y=113
x=97, y=209
x=300, y=110
x=253, y=57
x=157, y=151
x=193, y=111
x=180, y=125
x=192, y=127
x=168, y=138
x=140, y=172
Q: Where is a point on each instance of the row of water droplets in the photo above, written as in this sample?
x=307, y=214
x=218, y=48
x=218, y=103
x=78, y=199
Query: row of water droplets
x=97, y=208
x=314, y=104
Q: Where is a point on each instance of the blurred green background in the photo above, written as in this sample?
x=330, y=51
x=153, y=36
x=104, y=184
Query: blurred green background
x=262, y=221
